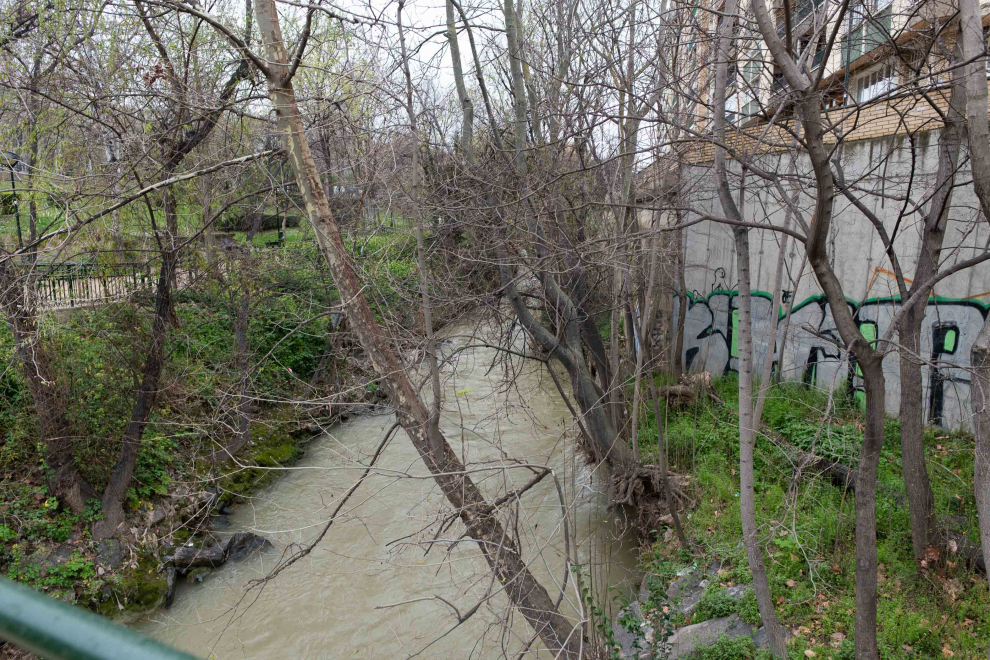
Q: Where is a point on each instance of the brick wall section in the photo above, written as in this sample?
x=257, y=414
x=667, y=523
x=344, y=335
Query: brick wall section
x=910, y=113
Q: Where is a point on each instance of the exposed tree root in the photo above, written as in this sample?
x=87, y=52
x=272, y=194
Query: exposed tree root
x=639, y=492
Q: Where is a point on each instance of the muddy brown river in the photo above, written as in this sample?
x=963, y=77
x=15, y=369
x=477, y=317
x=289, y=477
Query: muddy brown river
x=376, y=586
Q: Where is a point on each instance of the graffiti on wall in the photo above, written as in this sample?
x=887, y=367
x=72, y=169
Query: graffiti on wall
x=812, y=354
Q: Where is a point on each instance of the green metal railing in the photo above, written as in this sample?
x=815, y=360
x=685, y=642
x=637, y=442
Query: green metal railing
x=57, y=631
x=71, y=283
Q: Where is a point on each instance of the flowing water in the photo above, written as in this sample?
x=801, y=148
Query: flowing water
x=376, y=586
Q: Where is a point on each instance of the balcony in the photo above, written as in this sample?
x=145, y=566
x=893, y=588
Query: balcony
x=870, y=33
x=778, y=91
x=802, y=17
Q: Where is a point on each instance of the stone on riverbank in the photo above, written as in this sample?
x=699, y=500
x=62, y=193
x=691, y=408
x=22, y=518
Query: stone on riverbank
x=637, y=638
x=239, y=546
x=689, y=638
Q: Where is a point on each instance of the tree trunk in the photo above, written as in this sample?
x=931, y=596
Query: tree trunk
x=980, y=357
x=809, y=107
x=921, y=501
x=747, y=446
x=607, y=445
x=478, y=516
x=47, y=394
x=778, y=286
x=866, y=516
x=747, y=437
x=467, y=107
x=154, y=362
x=978, y=131
x=668, y=493
x=242, y=358
x=681, y=265
x=424, y=281
x=787, y=319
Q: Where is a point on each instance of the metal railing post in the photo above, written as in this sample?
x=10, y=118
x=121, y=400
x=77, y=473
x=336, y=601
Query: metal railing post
x=58, y=631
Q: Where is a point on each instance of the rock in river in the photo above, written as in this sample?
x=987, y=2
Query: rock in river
x=243, y=544
x=186, y=557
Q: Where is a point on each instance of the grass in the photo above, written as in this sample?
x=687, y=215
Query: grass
x=806, y=528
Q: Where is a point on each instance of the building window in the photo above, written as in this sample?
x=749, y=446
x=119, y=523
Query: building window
x=862, y=10
x=741, y=99
x=925, y=68
x=873, y=84
x=731, y=108
x=752, y=68
x=871, y=23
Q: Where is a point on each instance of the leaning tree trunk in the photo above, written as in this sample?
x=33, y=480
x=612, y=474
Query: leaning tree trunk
x=478, y=516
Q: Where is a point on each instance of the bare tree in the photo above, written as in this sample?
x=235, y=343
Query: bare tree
x=478, y=516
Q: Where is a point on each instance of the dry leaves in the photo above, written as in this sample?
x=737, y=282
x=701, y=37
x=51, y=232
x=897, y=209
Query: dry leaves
x=953, y=588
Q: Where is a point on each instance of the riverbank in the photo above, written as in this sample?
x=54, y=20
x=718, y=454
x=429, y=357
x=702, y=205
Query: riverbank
x=305, y=374
x=940, y=609
x=131, y=573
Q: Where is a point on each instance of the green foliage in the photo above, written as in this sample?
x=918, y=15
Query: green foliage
x=714, y=603
x=740, y=648
x=807, y=527
x=659, y=575
x=155, y=458
x=747, y=608
x=602, y=623
x=45, y=522
x=65, y=575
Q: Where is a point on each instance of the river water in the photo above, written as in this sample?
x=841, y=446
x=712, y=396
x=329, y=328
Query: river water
x=373, y=587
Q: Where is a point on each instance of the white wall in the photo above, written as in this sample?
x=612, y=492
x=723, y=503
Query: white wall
x=859, y=261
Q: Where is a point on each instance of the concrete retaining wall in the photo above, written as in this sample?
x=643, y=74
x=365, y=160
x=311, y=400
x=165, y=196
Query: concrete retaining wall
x=898, y=175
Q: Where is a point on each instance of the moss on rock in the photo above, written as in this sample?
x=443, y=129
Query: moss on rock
x=272, y=446
x=136, y=590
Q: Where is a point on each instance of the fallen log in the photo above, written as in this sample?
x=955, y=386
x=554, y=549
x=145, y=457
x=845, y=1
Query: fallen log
x=239, y=545
x=844, y=476
x=187, y=557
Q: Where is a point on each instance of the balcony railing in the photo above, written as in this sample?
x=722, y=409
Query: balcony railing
x=54, y=630
x=778, y=90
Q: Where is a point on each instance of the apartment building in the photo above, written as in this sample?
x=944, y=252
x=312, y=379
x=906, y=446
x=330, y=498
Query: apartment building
x=883, y=86
x=888, y=55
